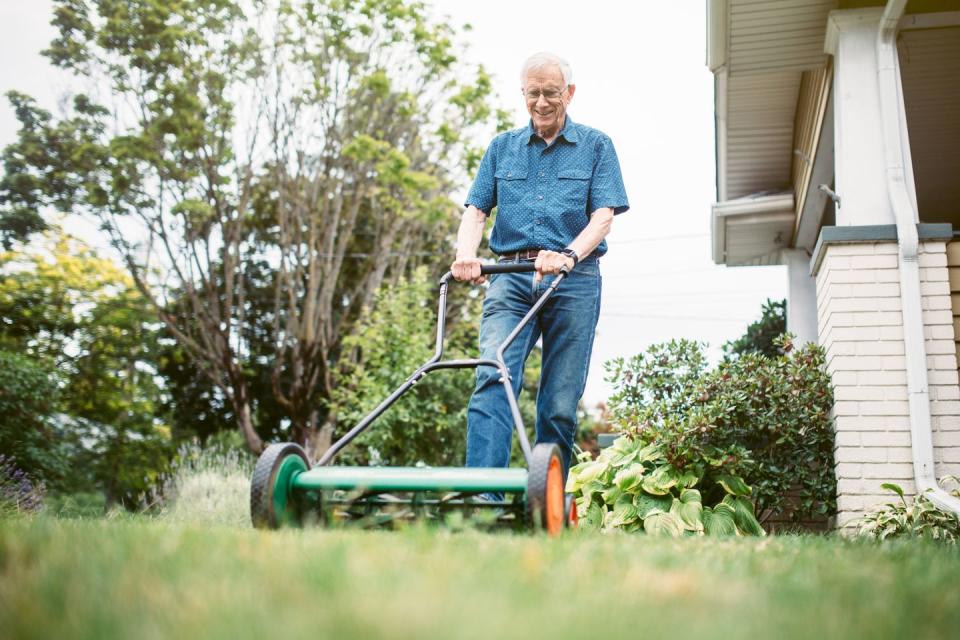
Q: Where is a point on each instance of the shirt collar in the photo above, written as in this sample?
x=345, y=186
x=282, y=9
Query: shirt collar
x=568, y=132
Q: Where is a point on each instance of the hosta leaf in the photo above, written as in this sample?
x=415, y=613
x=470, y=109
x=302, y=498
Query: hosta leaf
x=583, y=503
x=634, y=527
x=575, y=478
x=647, y=503
x=690, y=514
x=611, y=494
x=623, y=513
x=659, y=482
x=650, y=486
x=724, y=508
x=592, y=487
x=733, y=485
x=743, y=516
x=660, y=523
x=707, y=517
x=688, y=479
x=690, y=495
x=592, y=518
x=622, y=445
x=719, y=522
x=624, y=453
x=629, y=477
x=593, y=471
x=648, y=453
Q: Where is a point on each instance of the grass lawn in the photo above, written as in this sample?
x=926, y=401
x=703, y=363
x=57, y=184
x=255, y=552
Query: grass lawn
x=140, y=578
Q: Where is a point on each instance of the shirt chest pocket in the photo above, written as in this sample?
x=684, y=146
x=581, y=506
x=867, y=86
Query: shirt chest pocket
x=573, y=187
x=511, y=185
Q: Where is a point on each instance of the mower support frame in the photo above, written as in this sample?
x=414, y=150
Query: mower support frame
x=435, y=363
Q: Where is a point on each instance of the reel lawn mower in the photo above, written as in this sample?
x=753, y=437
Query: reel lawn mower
x=287, y=490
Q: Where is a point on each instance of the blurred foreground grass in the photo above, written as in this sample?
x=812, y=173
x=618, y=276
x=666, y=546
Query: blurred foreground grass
x=143, y=578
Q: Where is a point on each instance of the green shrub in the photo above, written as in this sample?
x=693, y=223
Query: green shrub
x=763, y=419
x=632, y=486
x=428, y=424
x=77, y=505
x=922, y=519
x=761, y=336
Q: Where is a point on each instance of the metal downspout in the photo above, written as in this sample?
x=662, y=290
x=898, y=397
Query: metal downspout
x=921, y=437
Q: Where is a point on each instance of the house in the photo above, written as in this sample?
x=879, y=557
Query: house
x=838, y=155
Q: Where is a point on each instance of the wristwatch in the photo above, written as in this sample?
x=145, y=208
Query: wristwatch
x=572, y=254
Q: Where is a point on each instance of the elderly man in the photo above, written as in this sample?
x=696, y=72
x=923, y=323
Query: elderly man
x=556, y=186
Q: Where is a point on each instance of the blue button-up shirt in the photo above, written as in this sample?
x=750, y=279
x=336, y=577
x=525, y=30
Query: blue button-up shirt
x=544, y=195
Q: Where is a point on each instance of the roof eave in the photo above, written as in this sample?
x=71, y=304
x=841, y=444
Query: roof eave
x=777, y=208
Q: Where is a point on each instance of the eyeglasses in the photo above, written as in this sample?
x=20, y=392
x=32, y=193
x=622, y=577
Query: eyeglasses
x=549, y=94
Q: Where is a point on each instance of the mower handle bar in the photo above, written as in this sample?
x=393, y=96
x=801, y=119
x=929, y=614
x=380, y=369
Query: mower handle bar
x=502, y=267
x=435, y=362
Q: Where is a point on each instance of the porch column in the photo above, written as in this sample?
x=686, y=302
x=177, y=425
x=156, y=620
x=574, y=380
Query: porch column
x=857, y=283
x=858, y=140
x=801, y=296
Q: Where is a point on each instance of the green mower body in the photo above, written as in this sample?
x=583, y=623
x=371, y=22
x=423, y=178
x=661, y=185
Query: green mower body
x=286, y=489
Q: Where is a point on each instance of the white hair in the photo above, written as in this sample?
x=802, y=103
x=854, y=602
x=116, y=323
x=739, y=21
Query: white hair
x=546, y=59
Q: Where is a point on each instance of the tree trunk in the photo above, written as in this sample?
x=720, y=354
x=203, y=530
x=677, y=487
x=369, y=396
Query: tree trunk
x=245, y=424
x=319, y=440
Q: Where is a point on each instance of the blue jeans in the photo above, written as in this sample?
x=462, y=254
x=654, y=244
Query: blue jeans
x=567, y=323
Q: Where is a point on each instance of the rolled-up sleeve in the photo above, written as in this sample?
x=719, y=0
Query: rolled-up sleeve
x=606, y=188
x=483, y=193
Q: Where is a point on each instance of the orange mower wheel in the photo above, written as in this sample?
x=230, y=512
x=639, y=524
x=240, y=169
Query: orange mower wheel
x=571, y=517
x=545, y=499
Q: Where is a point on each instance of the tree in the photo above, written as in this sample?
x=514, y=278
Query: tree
x=761, y=335
x=318, y=137
x=67, y=310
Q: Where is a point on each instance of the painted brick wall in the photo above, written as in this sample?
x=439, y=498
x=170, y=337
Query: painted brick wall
x=860, y=326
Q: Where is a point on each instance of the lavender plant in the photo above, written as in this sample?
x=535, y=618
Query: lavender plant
x=18, y=492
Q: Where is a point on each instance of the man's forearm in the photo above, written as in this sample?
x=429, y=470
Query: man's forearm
x=593, y=234
x=470, y=232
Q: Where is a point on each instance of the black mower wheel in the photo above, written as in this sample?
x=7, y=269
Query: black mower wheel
x=272, y=504
x=545, y=503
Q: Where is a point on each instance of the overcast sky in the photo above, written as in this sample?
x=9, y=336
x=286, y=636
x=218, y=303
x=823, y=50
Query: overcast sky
x=641, y=78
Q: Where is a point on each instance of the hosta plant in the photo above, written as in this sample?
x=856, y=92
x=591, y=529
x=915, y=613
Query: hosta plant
x=632, y=486
x=921, y=519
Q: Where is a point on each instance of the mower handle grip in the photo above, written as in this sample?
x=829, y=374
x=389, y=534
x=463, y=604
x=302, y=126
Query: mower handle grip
x=507, y=267
x=501, y=267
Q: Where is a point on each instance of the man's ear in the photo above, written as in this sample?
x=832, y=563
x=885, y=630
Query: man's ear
x=571, y=88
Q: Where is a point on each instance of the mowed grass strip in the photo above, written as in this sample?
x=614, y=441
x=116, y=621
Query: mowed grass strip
x=140, y=578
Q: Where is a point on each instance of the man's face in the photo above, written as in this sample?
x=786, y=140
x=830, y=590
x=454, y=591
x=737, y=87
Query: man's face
x=547, y=99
